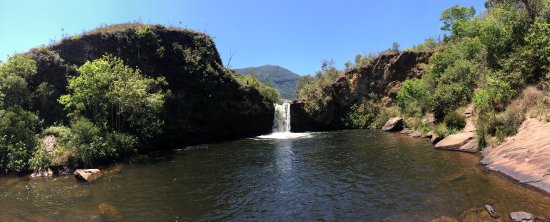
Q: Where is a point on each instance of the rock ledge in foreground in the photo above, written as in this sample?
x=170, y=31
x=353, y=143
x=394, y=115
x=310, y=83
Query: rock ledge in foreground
x=87, y=175
x=525, y=156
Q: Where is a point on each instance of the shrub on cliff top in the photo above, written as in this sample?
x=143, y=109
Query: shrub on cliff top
x=267, y=91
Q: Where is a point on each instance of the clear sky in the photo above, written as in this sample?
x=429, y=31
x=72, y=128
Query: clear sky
x=295, y=34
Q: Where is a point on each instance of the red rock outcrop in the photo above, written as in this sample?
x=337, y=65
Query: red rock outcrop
x=525, y=156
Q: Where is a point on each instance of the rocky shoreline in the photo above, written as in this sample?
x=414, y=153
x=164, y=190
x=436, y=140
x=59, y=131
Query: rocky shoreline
x=528, y=168
x=522, y=158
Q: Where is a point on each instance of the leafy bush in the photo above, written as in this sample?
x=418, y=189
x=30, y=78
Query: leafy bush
x=116, y=97
x=17, y=138
x=448, y=97
x=455, y=120
x=96, y=145
x=311, y=88
x=413, y=97
x=360, y=117
x=430, y=44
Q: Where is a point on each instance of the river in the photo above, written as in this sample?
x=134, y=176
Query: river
x=365, y=175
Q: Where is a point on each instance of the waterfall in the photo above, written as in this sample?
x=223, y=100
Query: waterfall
x=281, y=124
x=281, y=118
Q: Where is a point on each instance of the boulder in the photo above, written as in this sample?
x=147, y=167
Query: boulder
x=406, y=131
x=522, y=216
x=491, y=211
x=416, y=134
x=435, y=139
x=464, y=142
x=394, y=124
x=49, y=142
x=87, y=175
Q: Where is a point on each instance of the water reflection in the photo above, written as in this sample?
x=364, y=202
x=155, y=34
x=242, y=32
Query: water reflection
x=344, y=175
x=284, y=156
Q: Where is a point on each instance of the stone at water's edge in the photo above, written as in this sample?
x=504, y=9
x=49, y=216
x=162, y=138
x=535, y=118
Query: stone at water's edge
x=406, y=131
x=525, y=156
x=416, y=134
x=87, y=175
x=394, y=124
x=522, y=217
x=465, y=142
x=42, y=173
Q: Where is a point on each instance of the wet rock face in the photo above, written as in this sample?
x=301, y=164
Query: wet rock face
x=206, y=103
x=383, y=77
x=525, y=156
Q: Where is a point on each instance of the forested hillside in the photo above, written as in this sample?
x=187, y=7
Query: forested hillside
x=281, y=78
x=488, y=59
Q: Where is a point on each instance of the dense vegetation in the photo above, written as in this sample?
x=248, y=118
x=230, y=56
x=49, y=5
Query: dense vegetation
x=121, y=89
x=282, y=79
x=487, y=59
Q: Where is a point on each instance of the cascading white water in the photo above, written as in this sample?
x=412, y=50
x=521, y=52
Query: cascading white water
x=281, y=118
x=281, y=124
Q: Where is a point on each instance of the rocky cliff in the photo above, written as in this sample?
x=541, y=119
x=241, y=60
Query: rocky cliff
x=381, y=77
x=206, y=104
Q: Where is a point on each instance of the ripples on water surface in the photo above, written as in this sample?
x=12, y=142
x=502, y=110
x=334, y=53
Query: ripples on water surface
x=345, y=175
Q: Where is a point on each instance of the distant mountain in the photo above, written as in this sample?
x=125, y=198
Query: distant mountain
x=283, y=79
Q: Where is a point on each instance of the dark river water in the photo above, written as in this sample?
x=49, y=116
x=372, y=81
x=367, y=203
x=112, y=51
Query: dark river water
x=356, y=175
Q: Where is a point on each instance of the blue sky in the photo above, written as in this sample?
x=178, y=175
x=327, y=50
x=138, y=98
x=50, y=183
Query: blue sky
x=296, y=34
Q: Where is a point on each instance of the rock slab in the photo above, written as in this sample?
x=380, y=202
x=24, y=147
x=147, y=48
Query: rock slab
x=525, y=156
x=394, y=124
x=522, y=216
x=87, y=175
x=464, y=142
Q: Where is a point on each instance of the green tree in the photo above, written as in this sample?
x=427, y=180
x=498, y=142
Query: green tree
x=532, y=7
x=17, y=138
x=17, y=125
x=456, y=13
x=13, y=84
x=116, y=97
